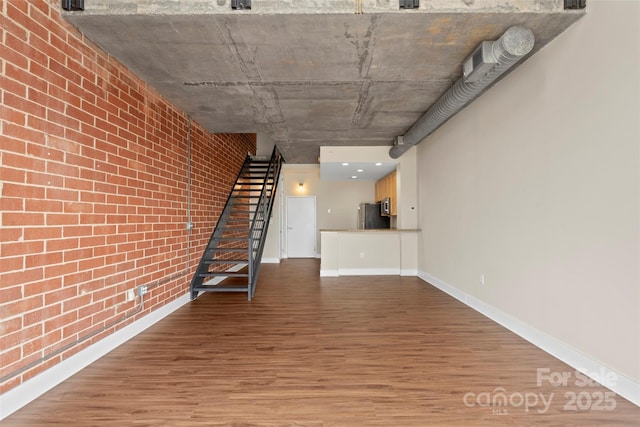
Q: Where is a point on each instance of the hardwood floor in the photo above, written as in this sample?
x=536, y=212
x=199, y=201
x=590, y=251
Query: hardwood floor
x=311, y=351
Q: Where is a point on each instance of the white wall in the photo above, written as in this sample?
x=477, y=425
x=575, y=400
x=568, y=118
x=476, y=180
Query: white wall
x=342, y=198
x=536, y=185
x=407, y=190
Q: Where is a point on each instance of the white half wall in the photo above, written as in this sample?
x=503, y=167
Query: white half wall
x=529, y=198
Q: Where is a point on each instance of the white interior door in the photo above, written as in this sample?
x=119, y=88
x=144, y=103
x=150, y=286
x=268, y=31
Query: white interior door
x=301, y=227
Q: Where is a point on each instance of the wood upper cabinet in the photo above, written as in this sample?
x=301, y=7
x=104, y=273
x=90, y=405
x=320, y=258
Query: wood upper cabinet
x=386, y=187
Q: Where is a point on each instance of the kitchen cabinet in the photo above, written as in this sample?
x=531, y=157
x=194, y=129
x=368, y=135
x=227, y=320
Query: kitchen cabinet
x=387, y=187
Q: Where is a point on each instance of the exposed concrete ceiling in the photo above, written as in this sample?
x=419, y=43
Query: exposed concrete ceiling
x=308, y=75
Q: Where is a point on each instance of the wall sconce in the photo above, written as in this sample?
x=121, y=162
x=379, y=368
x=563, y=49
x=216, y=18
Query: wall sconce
x=301, y=186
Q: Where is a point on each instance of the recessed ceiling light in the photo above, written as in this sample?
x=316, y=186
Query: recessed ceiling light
x=354, y=177
x=378, y=164
x=360, y=170
x=345, y=164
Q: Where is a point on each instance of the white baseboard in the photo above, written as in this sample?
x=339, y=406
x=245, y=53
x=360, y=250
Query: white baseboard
x=270, y=260
x=33, y=388
x=368, y=271
x=409, y=272
x=329, y=273
x=622, y=386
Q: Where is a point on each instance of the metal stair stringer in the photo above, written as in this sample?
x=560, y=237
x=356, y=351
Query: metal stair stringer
x=231, y=259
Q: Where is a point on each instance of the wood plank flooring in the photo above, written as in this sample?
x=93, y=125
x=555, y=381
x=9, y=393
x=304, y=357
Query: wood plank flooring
x=311, y=351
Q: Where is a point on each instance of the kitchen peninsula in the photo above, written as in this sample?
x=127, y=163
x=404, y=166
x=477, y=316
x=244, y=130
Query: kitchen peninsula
x=353, y=252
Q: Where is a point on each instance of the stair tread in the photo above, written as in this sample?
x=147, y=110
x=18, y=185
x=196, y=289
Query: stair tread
x=229, y=249
x=226, y=261
x=217, y=288
x=223, y=273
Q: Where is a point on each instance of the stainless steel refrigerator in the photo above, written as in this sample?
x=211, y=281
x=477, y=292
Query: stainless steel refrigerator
x=370, y=217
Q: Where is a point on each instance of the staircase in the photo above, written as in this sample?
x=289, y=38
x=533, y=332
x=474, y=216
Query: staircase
x=232, y=257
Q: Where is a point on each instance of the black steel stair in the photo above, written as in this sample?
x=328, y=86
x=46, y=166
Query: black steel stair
x=232, y=257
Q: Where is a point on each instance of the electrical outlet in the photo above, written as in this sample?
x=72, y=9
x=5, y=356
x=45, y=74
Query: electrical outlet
x=131, y=295
x=142, y=290
x=361, y=255
x=482, y=279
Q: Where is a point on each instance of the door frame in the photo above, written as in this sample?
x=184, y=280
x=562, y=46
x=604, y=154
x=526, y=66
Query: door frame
x=285, y=227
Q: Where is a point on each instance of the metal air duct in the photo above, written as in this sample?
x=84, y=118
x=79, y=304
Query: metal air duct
x=488, y=61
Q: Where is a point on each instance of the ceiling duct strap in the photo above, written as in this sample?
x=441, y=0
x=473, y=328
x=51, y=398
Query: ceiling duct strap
x=409, y=4
x=240, y=4
x=484, y=66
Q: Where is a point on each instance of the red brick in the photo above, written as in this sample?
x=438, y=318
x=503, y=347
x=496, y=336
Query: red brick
x=76, y=278
x=16, y=338
x=24, y=305
x=12, y=293
x=22, y=219
x=42, y=233
x=91, y=197
x=76, y=302
x=10, y=204
x=45, y=179
x=78, y=136
x=60, y=270
x=62, y=219
x=90, y=309
x=42, y=205
x=40, y=260
x=45, y=153
x=61, y=194
x=11, y=115
x=22, y=104
x=92, y=219
x=21, y=248
x=60, y=322
x=63, y=169
x=79, y=160
x=23, y=162
x=74, y=255
x=44, y=99
x=44, y=125
x=61, y=118
x=42, y=286
x=82, y=185
x=10, y=234
x=62, y=244
x=76, y=327
x=8, y=326
x=77, y=207
x=42, y=314
x=11, y=175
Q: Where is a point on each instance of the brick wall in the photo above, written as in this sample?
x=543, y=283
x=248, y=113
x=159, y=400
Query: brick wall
x=94, y=191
